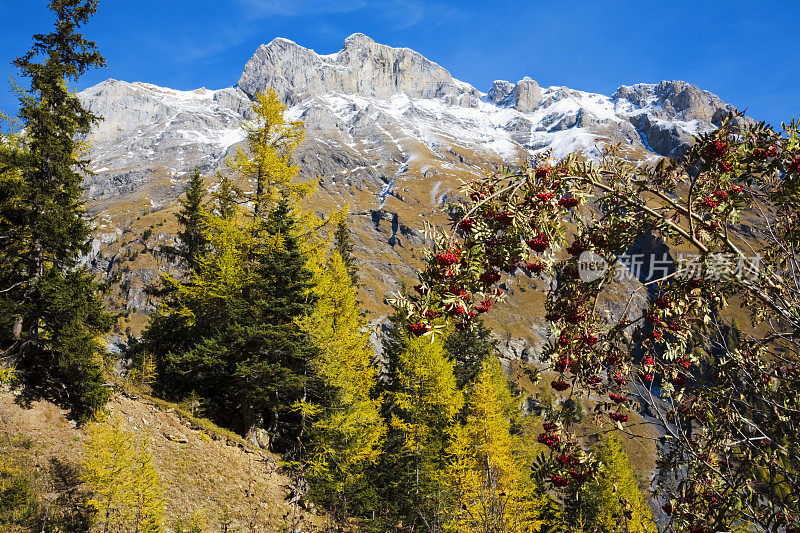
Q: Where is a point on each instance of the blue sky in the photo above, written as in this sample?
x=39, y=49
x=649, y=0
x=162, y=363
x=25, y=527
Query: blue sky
x=744, y=51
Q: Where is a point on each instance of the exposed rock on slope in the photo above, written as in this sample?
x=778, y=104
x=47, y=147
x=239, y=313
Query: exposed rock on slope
x=389, y=133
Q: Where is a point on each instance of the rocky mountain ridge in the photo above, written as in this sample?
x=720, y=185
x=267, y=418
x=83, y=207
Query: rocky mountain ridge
x=389, y=133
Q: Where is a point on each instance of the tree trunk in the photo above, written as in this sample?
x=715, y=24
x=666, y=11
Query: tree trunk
x=252, y=422
x=17, y=330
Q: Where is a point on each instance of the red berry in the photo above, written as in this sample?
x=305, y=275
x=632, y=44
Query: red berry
x=417, y=328
x=716, y=149
x=618, y=417
x=617, y=398
x=560, y=385
x=794, y=165
x=543, y=172
x=466, y=224
x=489, y=277
x=568, y=202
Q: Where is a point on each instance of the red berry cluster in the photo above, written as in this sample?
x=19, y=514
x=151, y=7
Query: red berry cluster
x=575, y=249
x=484, y=307
x=448, y=258
x=794, y=165
x=618, y=417
x=466, y=224
x=564, y=363
x=417, y=328
x=568, y=202
x=549, y=439
x=540, y=243
x=545, y=196
x=536, y=268
x=716, y=149
x=559, y=385
x=617, y=398
x=504, y=217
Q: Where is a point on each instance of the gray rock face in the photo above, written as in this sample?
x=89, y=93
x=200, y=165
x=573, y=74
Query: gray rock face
x=499, y=91
x=676, y=100
x=363, y=67
x=669, y=112
x=524, y=96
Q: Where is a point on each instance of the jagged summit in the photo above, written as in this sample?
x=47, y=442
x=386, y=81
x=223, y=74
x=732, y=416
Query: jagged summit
x=362, y=68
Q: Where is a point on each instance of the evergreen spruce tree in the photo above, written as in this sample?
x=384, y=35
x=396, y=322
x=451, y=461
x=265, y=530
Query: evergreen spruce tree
x=343, y=245
x=192, y=220
x=470, y=349
x=51, y=316
x=231, y=333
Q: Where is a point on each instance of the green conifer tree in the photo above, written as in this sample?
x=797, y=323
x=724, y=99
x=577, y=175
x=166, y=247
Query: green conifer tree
x=231, y=333
x=613, y=503
x=192, y=220
x=343, y=245
x=469, y=349
x=50, y=310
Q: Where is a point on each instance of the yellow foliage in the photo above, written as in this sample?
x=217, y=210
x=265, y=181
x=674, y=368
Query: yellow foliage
x=126, y=489
x=620, y=502
x=348, y=432
x=490, y=482
x=267, y=165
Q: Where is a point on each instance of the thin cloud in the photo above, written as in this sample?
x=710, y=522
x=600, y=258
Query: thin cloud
x=295, y=8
